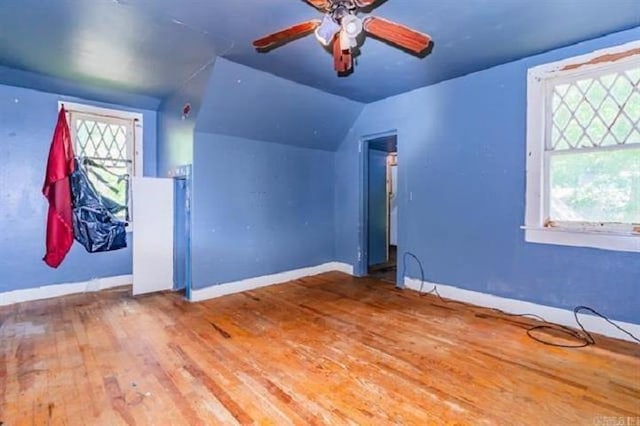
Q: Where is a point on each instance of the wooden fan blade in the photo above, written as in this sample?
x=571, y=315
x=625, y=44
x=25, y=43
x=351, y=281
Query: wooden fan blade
x=365, y=3
x=288, y=34
x=397, y=34
x=323, y=5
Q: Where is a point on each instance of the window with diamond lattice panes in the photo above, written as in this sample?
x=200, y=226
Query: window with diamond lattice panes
x=593, y=149
x=104, y=146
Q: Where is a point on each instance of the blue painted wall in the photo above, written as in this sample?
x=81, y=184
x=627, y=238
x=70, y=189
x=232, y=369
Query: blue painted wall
x=175, y=132
x=259, y=208
x=461, y=156
x=263, y=175
x=27, y=121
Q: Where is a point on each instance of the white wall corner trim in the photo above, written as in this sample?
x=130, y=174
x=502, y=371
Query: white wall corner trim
x=57, y=290
x=564, y=317
x=267, y=280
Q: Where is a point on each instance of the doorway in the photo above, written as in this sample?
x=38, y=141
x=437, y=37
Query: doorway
x=182, y=232
x=381, y=208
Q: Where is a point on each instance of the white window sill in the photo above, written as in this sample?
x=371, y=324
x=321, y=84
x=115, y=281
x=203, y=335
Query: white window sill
x=577, y=238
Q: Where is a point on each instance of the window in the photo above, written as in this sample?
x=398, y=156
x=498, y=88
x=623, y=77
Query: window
x=106, y=144
x=583, y=143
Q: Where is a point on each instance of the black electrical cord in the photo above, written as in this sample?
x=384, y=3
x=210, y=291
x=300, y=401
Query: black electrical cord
x=584, y=337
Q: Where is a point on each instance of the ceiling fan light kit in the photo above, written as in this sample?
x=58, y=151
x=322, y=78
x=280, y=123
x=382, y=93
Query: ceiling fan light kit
x=341, y=27
x=327, y=30
x=351, y=29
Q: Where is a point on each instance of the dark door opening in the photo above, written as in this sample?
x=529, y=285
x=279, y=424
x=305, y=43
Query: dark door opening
x=382, y=210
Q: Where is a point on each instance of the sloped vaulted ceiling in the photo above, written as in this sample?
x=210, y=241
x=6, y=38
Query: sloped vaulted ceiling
x=151, y=47
x=243, y=102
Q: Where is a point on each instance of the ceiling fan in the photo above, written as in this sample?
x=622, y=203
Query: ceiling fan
x=341, y=27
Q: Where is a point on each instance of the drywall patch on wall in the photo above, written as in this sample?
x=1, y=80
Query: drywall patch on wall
x=267, y=280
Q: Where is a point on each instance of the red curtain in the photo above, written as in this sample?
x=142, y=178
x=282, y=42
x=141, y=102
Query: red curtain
x=57, y=190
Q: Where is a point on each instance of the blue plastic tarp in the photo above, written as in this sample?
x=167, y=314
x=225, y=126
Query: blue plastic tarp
x=95, y=224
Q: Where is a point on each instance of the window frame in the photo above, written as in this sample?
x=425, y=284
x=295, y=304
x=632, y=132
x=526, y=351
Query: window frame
x=540, y=82
x=135, y=149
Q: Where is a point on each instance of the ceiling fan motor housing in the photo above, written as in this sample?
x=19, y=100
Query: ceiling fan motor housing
x=340, y=19
x=342, y=8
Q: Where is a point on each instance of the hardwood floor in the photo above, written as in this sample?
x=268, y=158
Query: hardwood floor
x=388, y=270
x=328, y=349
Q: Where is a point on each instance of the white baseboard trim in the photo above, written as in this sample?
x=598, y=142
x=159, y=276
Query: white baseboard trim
x=513, y=306
x=57, y=290
x=266, y=280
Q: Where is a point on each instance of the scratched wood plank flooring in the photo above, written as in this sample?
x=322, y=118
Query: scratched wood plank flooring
x=329, y=349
